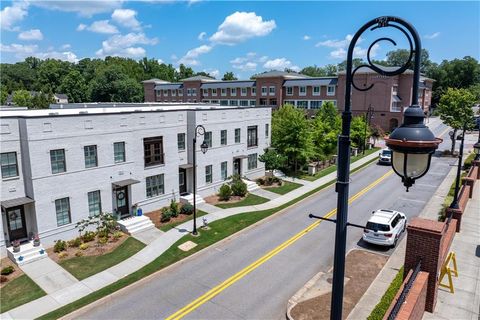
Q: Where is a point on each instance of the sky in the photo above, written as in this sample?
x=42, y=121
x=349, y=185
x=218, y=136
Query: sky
x=244, y=37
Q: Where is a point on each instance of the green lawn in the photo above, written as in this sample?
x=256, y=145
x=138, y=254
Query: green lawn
x=172, y=225
x=84, y=267
x=379, y=311
x=286, y=187
x=249, y=200
x=219, y=230
x=19, y=291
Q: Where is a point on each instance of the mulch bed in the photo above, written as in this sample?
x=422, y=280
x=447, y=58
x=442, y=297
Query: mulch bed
x=94, y=249
x=156, y=215
x=214, y=199
x=362, y=268
x=5, y=262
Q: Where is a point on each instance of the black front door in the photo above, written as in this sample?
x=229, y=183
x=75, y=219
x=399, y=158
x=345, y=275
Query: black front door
x=121, y=198
x=236, y=166
x=182, y=181
x=16, y=223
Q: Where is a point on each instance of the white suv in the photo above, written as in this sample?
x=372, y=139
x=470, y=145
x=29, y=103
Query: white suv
x=385, y=227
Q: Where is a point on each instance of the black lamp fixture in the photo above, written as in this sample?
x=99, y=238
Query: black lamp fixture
x=199, y=131
x=476, y=149
x=204, y=147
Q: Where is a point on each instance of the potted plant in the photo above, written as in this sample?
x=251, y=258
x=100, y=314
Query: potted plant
x=36, y=240
x=16, y=245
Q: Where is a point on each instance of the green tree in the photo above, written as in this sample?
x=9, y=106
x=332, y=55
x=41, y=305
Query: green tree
x=74, y=86
x=3, y=95
x=325, y=130
x=22, y=98
x=229, y=76
x=313, y=71
x=272, y=159
x=357, y=133
x=50, y=74
x=455, y=110
x=399, y=57
x=183, y=72
x=41, y=100
x=355, y=63
x=291, y=135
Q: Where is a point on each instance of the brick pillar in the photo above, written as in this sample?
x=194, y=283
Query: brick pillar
x=456, y=214
x=469, y=181
x=476, y=163
x=424, y=241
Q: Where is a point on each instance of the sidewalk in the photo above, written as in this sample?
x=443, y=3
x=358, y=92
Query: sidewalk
x=68, y=294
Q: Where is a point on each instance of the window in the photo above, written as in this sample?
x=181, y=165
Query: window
x=94, y=203
x=205, y=92
x=253, y=103
x=155, y=185
x=208, y=138
x=289, y=91
x=62, y=208
x=290, y=102
x=263, y=101
x=244, y=103
x=315, y=104
x=90, y=153
x=208, y=174
x=181, y=141
x=224, y=92
x=237, y=135
x=302, y=104
x=302, y=91
x=267, y=129
x=223, y=137
x=273, y=102
x=254, y=91
x=189, y=92
x=180, y=92
x=214, y=101
x=264, y=91
x=224, y=102
x=234, y=103
x=271, y=91
x=174, y=93
x=395, y=221
x=119, y=152
x=395, y=90
x=165, y=93
x=233, y=91
x=252, y=140
x=194, y=92
x=57, y=160
x=395, y=107
x=330, y=90
x=153, y=151
x=214, y=92
x=223, y=169
x=243, y=91
x=158, y=93
x=252, y=161
x=9, y=165
x=316, y=91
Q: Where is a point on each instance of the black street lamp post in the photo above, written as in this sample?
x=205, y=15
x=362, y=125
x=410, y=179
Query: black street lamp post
x=412, y=143
x=199, y=130
x=368, y=120
x=454, y=204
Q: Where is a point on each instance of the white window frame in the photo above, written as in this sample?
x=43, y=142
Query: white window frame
x=180, y=92
x=208, y=174
x=223, y=92
x=174, y=93
x=224, y=170
x=189, y=92
x=214, y=92
x=252, y=161
x=330, y=93
x=315, y=93
x=243, y=103
x=271, y=90
x=253, y=91
x=304, y=93
x=194, y=92
x=300, y=104
x=165, y=93
x=205, y=92
x=253, y=103
x=243, y=92
x=264, y=91
x=289, y=91
x=233, y=91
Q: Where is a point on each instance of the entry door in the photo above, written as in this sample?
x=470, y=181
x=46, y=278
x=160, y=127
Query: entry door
x=236, y=166
x=16, y=223
x=182, y=181
x=121, y=198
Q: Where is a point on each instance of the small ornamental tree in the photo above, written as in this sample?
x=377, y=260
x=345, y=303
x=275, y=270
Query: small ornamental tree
x=273, y=160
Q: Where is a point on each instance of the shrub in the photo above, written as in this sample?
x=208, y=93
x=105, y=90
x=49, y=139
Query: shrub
x=260, y=181
x=88, y=236
x=187, y=209
x=239, y=188
x=7, y=270
x=174, y=211
x=59, y=246
x=166, y=215
x=117, y=235
x=62, y=255
x=74, y=243
x=84, y=246
x=225, y=192
x=102, y=240
x=78, y=254
x=3, y=279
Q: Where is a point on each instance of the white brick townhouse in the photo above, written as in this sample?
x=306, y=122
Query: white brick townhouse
x=63, y=164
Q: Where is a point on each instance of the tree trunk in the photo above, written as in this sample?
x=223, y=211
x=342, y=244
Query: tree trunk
x=453, y=141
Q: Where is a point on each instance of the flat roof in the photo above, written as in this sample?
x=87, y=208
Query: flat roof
x=72, y=109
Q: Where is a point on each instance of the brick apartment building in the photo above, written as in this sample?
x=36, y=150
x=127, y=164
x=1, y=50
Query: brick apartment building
x=388, y=97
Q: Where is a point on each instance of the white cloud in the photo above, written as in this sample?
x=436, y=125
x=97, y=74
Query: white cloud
x=241, y=26
x=280, y=64
x=84, y=8
x=64, y=55
x=249, y=62
x=190, y=58
x=358, y=52
x=306, y=37
x=337, y=43
x=66, y=46
x=432, y=36
x=19, y=50
x=202, y=36
x=125, y=45
x=101, y=26
x=126, y=18
x=34, y=34
x=213, y=72
x=9, y=16
x=248, y=66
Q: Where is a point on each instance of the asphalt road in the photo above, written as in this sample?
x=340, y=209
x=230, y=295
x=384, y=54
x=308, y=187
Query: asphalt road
x=262, y=290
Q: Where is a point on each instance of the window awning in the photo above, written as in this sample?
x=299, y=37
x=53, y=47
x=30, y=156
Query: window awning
x=397, y=99
x=16, y=202
x=126, y=182
x=242, y=156
x=186, y=166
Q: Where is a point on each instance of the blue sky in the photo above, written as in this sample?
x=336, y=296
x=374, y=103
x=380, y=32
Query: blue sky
x=217, y=36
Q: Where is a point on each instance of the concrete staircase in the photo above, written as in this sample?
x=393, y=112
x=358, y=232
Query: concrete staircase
x=135, y=224
x=251, y=185
x=28, y=253
x=188, y=198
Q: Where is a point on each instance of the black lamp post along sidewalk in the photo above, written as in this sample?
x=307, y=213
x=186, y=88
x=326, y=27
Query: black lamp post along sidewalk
x=199, y=130
x=412, y=143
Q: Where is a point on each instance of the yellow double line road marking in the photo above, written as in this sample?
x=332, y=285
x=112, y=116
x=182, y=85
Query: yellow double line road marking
x=242, y=273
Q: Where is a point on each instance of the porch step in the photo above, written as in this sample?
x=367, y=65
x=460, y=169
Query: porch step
x=28, y=253
x=135, y=224
x=251, y=185
x=188, y=198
